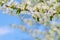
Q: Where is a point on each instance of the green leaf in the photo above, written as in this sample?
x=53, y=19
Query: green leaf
x=43, y=11
x=1, y=4
x=58, y=0
x=51, y=17
x=25, y=7
x=13, y=7
x=37, y=9
x=38, y=19
x=18, y=11
x=41, y=0
x=58, y=9
x=34, y=17
x=58, y=27
x=51, y=5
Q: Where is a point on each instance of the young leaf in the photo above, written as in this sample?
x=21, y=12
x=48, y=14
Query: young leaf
x=51, y=18
x=58, y=0
x=37, y=9
x=38, y=19
x=41, y=0
x=13, y=7
x=18, y=11
x=25, y=7
x=1, y=4
x=58, y=9
x=43, y=11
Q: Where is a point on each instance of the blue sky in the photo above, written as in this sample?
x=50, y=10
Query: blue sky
x=6, y=19
x=8, y=33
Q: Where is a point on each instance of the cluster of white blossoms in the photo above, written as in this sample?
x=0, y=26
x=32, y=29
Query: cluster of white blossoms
x=43, y=11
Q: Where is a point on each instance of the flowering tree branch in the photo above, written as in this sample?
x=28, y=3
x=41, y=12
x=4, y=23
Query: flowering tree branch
x=43, y=11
